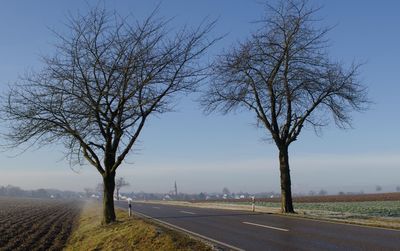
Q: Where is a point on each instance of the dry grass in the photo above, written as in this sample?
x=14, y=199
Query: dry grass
x=126, y=234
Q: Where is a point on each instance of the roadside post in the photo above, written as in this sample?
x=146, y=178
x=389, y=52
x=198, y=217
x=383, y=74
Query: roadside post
x=130, y=207
x=253, y=203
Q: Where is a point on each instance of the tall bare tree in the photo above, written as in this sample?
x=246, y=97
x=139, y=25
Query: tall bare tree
x=88, y=192
x=284, y=75
x=107, y=76
x=120, y=183
x=226, y=191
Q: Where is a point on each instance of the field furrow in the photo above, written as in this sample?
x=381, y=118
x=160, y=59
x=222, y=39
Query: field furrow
x=33, y=224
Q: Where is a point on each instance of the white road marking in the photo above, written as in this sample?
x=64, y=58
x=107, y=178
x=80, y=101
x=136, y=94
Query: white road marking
x=187, y=212
x=265, y=226
x=190, y=232
x=156, y=207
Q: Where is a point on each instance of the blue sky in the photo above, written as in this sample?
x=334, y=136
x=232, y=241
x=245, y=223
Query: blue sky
x=206, y=153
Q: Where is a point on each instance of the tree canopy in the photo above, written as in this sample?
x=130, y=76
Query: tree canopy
x=285, y=76
x=107, y=76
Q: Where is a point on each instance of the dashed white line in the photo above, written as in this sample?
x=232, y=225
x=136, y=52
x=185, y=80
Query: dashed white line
x=187, y=212
x=156, y=207
x=265, y=226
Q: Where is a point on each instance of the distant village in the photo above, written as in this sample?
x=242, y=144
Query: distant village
x=174, y=194
x=96, y=193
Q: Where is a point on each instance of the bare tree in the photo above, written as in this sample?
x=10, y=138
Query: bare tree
x=120, y=183
x=88, y=192
x=284, y=75
x=107, y=76
x=226, y=191
x=99, y=189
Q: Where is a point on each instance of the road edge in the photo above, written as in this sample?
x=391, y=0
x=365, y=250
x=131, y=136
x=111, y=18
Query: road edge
x=295, y=216
x=215, y=244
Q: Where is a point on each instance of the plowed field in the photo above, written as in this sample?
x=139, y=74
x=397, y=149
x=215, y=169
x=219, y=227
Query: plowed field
x=326, y=198
x=36, y=224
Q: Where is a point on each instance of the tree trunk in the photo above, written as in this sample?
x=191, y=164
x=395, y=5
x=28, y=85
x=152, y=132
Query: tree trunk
x=286, y=190
x=118, y=194
x=108, y=198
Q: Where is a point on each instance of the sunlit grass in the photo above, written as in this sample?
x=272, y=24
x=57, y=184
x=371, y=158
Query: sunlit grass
x=126, y=234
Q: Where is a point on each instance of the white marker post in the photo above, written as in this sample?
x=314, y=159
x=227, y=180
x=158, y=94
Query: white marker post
x=253, y=203
x=129, y=207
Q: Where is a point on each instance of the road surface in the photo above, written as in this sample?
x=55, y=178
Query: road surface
x=240, y=230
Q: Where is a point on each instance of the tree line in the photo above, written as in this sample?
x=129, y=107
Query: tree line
x=15, y=191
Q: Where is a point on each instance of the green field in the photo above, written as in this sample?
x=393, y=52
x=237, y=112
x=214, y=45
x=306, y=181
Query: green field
x=367, y=208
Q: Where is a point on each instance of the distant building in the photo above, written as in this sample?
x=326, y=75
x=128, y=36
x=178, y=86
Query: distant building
x=176, y=190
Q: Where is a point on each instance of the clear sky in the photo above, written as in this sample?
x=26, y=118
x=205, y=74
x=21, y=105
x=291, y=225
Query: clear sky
x=207, y=153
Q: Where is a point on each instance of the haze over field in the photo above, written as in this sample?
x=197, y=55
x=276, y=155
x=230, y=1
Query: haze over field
x=207, y=153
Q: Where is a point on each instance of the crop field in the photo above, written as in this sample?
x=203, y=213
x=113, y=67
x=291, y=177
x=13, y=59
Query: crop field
x=367, y=208
x=360, y=205
x=36, y=224
x=325, y=198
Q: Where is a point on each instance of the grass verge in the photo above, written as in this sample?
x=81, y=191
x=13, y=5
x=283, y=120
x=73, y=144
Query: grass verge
x=126, y=234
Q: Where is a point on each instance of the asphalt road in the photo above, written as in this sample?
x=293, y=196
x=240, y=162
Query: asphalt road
x=240, y=230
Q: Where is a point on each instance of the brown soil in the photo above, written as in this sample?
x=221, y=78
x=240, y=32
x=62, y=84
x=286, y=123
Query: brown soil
x=326, y=198
x=36, y=224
